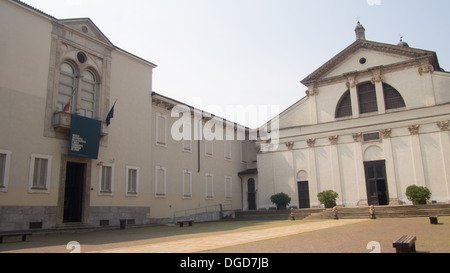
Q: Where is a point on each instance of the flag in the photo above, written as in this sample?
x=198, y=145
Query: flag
x=110, y=115
x=67, y=106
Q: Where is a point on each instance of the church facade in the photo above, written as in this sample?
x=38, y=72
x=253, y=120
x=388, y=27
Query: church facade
x=86, y=141
x=374, y=121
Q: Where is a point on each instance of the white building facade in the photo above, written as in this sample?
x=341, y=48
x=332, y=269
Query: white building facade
x=56, y=75
x=374, y=121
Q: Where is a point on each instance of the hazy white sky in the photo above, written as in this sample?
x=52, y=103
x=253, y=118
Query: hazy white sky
x=252, y=52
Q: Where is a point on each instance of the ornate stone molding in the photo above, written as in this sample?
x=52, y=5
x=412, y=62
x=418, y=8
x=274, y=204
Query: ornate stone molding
x=289, y=145
x=357, y=137
x=414, y=129
x=375, y=79
x=311, y=142
x=333, y=139
x=351, y=84
x=312, y=92
x=426, y=69
x=443, y=125
x=386, y=133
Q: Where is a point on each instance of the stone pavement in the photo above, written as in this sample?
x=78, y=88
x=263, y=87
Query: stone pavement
x=319, y=236
x=229, y=239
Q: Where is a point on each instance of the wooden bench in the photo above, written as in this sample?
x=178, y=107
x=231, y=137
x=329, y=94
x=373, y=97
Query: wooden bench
x=15, y=234
x=405, y=244
x=181, y=223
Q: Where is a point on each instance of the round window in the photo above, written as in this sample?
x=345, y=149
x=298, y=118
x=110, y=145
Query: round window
x=362, y=60
x=81, y=57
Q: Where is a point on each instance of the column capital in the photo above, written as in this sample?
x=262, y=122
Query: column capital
x=414, y=129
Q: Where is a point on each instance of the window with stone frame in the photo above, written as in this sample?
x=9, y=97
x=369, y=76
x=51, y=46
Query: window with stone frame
x=367, y=98
x=78, y=90
x=392, y=98
x=106, y=178
x=344, y=108
x=132, y=180
x=40, y=173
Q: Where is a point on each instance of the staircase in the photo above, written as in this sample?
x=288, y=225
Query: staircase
x=403, y=211
x=74, y=227
x=263, y=215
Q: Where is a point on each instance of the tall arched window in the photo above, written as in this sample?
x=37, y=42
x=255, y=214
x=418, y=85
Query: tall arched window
x=344, y=108
x=392, y=98
x=89, y=94
x=68, y=85
x=367, y=98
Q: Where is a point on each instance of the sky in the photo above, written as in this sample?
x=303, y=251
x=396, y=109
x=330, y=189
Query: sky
x=213, y=54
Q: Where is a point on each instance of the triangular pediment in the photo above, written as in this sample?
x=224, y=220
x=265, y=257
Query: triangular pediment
x=87, y=27
x=364, y=55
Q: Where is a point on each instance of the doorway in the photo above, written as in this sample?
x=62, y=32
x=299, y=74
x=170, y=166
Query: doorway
x=303, y=195
x=73, y=195
x=251, y=194
x=376, y=183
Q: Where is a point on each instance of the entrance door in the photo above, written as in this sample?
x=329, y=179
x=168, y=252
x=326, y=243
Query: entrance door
x=376, y=183
x=303, y=195
x=73, y=197
x=251, y=194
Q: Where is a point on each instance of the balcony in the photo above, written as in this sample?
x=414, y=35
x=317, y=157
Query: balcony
x=61, y=123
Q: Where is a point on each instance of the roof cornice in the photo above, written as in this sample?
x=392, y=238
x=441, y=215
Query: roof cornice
x=370, y=45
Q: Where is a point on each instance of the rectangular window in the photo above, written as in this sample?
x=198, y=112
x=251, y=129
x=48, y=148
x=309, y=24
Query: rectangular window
x=209, y=186
x=209, y=148
x=106, y=178
x=40, y=170
x=228, y=188
x=5, y=158
x=227, y=149
x=187, y=137
x=371, y=137
x=161, y=130
x=187, y=184
x=132, y=180
x=243, y=152
x=160, y=181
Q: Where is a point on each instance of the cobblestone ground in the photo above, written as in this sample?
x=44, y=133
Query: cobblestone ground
x=324, y=236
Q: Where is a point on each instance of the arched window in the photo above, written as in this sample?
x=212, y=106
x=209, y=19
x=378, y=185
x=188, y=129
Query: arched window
x=392, y=98
x=344, y=108
x=367, y=98
x=89, y=94
x=68, y=85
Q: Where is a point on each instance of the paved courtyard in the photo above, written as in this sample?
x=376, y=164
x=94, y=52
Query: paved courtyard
x=321, y=236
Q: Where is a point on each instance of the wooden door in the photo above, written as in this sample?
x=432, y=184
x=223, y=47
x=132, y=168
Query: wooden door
x=303, y=195
x=376, y=183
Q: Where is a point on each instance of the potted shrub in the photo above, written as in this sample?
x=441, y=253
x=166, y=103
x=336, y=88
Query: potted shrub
x=281, y=200
x=418, y=195
x=328, y=198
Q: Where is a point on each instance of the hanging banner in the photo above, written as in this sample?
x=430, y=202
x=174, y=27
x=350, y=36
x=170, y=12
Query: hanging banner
x=84, y=137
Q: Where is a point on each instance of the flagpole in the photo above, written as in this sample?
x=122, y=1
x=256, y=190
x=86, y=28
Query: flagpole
x=70, y=100
x=110, y=113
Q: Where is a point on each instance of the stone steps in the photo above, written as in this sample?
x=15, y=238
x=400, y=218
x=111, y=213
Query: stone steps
x=263, y=215
x=402, y=211
x=380, y=212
